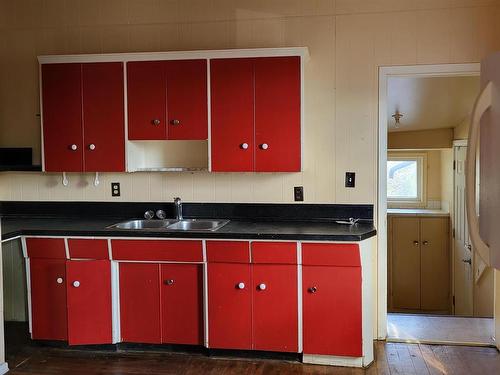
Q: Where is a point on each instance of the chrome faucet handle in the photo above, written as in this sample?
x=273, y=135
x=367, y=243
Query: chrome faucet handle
x=149, y=214
x=177, y=200
x=160, y=214
x=178, y=208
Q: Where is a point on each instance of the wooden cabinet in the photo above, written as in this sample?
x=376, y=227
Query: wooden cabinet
x=167, y=100
x=262, y=96
x=83, y=117
x=419, y=264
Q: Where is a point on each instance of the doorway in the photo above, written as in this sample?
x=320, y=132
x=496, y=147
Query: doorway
x=428, y=284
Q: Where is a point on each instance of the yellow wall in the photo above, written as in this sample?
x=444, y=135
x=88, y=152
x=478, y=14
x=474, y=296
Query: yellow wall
x=421, y=139
x=462, y=130
x=347, y=39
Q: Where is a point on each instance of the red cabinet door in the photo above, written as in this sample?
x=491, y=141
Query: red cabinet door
x=187, y=103
x=146, y=94
x=277, y=114
x=332, y=310
x=62, y=117
x=103, y=117
x=140, y=302
x=89, y=302
x=48, y=299
x=232, y=104
x=229, y=306
x=275, y=308
x=182, y=304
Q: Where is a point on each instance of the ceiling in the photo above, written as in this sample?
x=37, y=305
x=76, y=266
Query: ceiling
x=430, y=102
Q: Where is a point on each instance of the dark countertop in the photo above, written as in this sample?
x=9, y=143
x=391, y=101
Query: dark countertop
x=272, y=230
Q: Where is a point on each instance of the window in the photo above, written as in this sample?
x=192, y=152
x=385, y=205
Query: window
x=405, y=180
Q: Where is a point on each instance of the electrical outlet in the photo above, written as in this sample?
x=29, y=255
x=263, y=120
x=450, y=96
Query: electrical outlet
x=350, y=179
x=298, y=193
x=115, y=189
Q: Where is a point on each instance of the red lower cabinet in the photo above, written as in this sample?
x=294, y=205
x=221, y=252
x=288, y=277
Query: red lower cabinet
x=275, y=311
x=332, y=310
x=182, y=304
x=48, y=299
x=140, y=302
x=229, y=306
x=89, y=302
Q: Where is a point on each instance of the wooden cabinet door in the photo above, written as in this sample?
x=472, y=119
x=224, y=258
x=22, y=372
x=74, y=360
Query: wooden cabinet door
x=89, y=302
x=103, y=117
x=187, y=104
x=182, y=304
x=275, y=310
x=229, y=306
x=48, y=299
x=146, y=93
x=232, y=112
x=140, y=302
x=405, y=262
x=277, y=114
x=62, y=117
x=435, y=266
x=332, y=310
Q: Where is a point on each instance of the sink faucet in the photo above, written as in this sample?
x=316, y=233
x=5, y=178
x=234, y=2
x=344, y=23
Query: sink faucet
x=178, y=208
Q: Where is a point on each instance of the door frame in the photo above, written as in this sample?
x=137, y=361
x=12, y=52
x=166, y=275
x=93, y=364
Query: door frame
x=386, y=72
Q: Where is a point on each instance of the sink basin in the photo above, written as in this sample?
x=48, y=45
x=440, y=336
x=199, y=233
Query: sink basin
x=197, y=225
x=143, y=224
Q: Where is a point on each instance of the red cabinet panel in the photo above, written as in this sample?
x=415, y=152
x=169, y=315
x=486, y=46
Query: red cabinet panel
x=274, y=252
x=332, y=310
x=229, y=307
x=182, y=304
x=277, y=114
x=232, y=127
x=275, y=309
x=103, y=117
x=48, y=299
x=82, y=248
x=140, y=302
x=46, y=248
x=89, y=302
x=157, y=250
x=324, y=254
x=187, y=103
x=146, y=96
x=228, y=251
x=62, y=117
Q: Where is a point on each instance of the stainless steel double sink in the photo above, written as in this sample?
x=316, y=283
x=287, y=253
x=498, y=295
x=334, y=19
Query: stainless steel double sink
x=203, y=225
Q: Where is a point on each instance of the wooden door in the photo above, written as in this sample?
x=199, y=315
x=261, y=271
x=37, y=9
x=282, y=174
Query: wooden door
x=435, y=264
x=89, y=302
x=275, y=309
x=182, y=304
x=229, y=306
x=187, y=103
x=146, y=94
x=232, y=104
x=48, y=299
x=277, y=114
x=62, y=117
x=405, y=263
x=332, y=310
x=103, y=117
x=140, y=302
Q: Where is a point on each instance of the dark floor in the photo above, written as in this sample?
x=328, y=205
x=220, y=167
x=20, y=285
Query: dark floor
x=392, y=358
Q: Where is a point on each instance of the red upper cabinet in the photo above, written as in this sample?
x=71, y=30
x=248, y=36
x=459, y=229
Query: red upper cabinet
x=83, y=117
x=62, y=117
x=277, y=114
x=256, y=114
x=167, y=100
x=232, y=126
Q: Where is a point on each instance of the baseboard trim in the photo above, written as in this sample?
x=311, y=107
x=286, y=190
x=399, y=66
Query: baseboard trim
x=440, y=342
x=4, y=368
x=330, y=360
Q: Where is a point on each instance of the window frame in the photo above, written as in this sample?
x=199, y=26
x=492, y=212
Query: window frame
x=421, y=200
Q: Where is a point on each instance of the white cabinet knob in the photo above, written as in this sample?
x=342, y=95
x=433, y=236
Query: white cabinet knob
x=244, y=146
x=241, y=285
x=73, y=147
x=91, y=147
x=76, y=284
x=264, y=146
x=262, y=286
x=59, y=280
